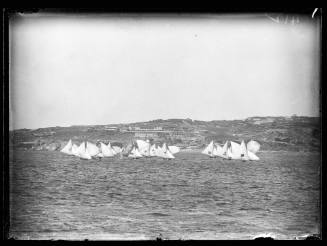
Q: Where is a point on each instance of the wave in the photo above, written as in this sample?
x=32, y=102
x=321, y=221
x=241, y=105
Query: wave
x=158, y=214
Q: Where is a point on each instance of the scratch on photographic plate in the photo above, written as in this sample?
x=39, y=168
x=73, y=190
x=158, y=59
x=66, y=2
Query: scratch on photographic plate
x=314, y=12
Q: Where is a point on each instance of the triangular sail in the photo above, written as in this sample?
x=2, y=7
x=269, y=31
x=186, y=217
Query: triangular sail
x=75, y=150
x=68, y=148
x=209, y=149
x=224, y=149
x=153, y=150
x=106, y=151
x=244, y=152
x=236, y=150
x=219, y=151
x=174, y=149
x=252, y=156
x=82, y=152
x=113, y=151
x=164, y=152
x=135, y=153
x=229, y=153
x=169, y=155
x=143, y=147
x=216, y=150
x=92, y=149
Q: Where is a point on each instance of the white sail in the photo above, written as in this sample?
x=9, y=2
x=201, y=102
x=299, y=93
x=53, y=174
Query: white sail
x=229, y=153
x=113, y=151
x=253, y=146
x=164, y=152
x=106, y=151
x=215, y=150
x=81, y=148
x=224, y=149
x=252, y=156
x=153, y=150
x=236, y=150
x=92, y=149
x=244, y=152
x=135, y=153
x=68, y=148
x=209, y=149
x=160, y=152
x=100, y=154
x=169, y=155
x=82, y=152
x=131, y=154
x=143, y=147
x=174, y=149
x=219, y=151
x=75, y=150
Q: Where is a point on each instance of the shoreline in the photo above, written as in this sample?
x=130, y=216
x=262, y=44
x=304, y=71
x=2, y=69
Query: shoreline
x=260, y=151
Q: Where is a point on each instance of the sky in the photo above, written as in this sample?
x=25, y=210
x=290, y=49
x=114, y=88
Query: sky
x=89, y=70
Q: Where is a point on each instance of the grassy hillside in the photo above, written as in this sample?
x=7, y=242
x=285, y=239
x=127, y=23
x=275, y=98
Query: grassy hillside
x=274, y=133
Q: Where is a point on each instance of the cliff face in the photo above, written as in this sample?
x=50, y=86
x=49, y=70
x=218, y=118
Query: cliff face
x=273, y=133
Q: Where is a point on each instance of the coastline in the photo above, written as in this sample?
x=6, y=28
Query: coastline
x=260, y=151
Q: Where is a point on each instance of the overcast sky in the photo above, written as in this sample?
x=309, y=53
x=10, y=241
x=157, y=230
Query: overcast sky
x=101, y=70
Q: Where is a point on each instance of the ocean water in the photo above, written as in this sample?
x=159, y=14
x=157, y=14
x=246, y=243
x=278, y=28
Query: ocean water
x=56, y=196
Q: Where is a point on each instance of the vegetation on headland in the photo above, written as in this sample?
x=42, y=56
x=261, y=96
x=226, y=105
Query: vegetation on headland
x=273, y=133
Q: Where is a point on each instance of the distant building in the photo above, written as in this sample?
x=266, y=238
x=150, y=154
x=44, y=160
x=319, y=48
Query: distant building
x=111, y=128
x=263, y=121
x=43, y=134
x=138, y=129
x=146, y=135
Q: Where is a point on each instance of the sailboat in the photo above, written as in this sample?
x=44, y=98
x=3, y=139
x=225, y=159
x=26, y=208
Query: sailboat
x=252, y=156
x=164, y=152
x=92, y=149
x=143, y=147
x=244, y=152
x=224, y=150
x=174, y=149
x=68, y=148
x=135, y=153
x=220, y=151
x=127, y=149
x=75, y=150
x=106, y=150
x=229, y=153
x=209, y=149
x=236, y=151
x=113, y=151
x=253, y=146
x=82, y=152
x=153, y=150
x=100, y=155
x=216, y=150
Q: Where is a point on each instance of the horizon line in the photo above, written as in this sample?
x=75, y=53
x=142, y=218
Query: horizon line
x=135, y=122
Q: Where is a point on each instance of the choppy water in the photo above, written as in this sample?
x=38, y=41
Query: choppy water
x=55, y=196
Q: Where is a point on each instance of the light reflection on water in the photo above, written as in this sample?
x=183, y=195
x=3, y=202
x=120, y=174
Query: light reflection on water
x=55, y=196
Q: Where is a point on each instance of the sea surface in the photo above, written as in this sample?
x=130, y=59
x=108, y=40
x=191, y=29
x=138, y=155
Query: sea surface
x=56, y=196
